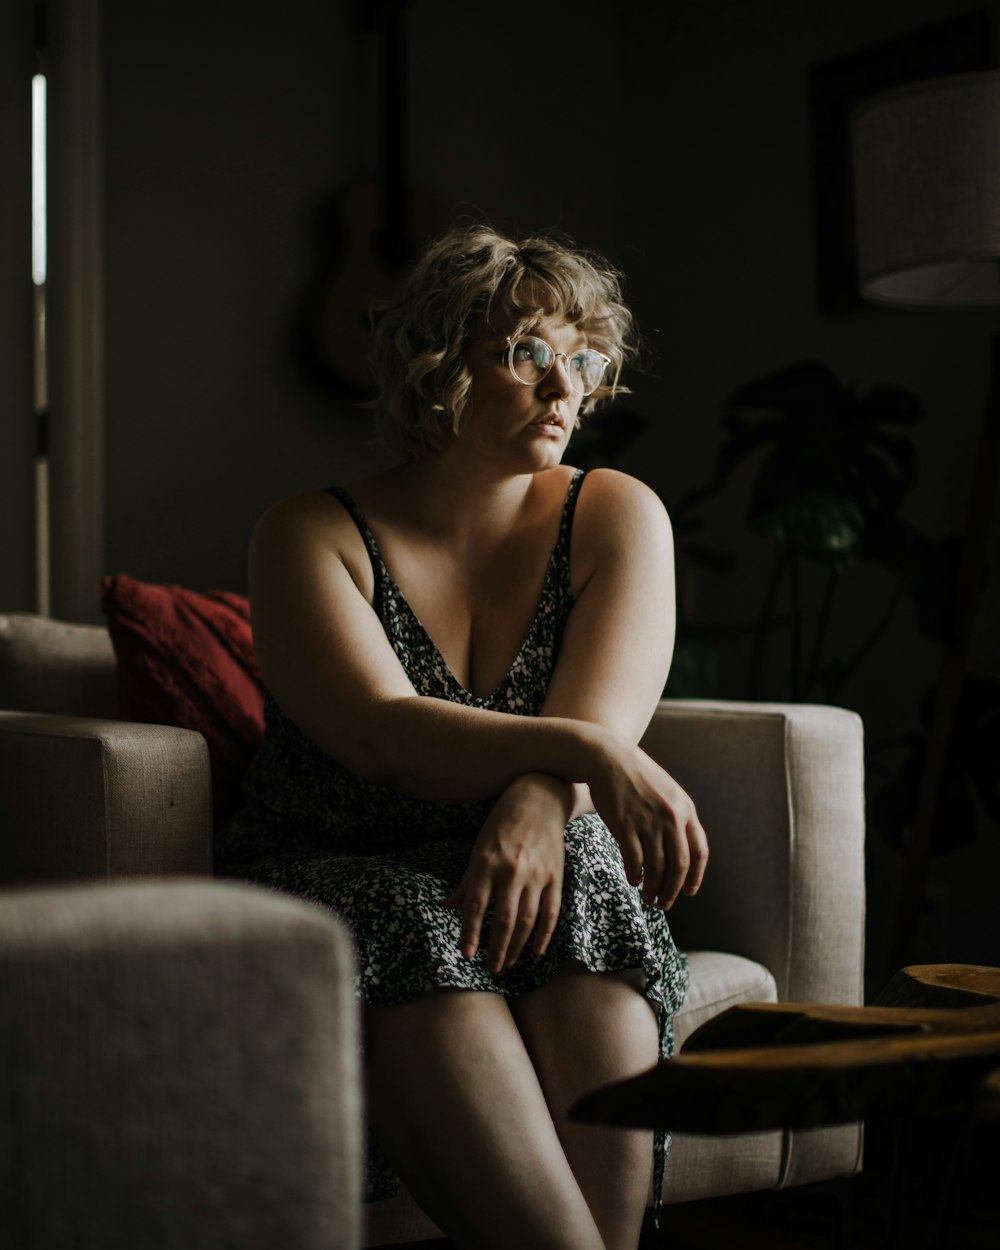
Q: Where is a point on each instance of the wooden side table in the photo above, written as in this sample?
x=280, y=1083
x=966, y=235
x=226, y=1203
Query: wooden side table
x=929, y=1046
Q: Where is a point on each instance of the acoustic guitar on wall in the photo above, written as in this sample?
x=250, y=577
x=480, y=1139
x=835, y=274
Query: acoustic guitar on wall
x=378, y=229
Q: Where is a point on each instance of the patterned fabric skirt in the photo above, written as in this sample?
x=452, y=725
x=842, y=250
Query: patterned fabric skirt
x=407, y=943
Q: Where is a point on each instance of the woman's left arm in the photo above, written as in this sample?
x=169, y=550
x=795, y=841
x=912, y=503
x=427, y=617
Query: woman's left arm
x=615, y=653
x=614, y=660
x=611, y=669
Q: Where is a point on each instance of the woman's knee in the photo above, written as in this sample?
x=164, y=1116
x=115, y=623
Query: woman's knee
x=573, y=971
x=577, y=1001
x=439, y=1017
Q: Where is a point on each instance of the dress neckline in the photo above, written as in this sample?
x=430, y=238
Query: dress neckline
x=446, y=669
x=384, y=581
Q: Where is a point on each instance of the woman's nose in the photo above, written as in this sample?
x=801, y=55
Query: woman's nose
x=556, y=381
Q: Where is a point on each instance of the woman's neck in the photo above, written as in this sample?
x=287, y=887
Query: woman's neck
x=460, y=496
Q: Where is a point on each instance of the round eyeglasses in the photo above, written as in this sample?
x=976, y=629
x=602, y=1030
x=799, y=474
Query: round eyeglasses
x=531, y=359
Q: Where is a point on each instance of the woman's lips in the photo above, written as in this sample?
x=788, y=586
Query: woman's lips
x=552, y=423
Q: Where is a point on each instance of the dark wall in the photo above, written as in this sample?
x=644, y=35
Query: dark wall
x=228, y=124
x=719, y=238
x=223, y=128
x=227, y=127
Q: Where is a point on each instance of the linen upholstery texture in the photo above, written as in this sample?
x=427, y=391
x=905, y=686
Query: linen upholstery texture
x=84, y=798
x=752, y=1160
x=780, y=790
x=56, y=666
x=83, y=793
x=179, y=1063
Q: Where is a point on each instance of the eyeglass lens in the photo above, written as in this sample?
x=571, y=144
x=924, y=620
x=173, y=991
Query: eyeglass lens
x=531, y=359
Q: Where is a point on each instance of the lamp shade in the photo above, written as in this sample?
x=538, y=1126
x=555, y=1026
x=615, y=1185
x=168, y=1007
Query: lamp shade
x=927, y=193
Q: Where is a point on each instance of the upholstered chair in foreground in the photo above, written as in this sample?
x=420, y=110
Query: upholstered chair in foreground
x=178, y=1070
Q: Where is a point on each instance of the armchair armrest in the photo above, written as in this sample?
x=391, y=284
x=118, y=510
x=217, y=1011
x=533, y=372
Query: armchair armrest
x=83, y=798
x=180, y=1069
x=780, y=791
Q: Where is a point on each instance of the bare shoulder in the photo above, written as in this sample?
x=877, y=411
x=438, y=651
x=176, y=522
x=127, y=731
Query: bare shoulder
x=616, y=509
x=306, y=530
x=298, y=514
x=311, y=519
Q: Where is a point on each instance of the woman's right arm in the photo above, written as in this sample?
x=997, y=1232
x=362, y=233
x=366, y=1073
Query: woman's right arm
x=324, y=656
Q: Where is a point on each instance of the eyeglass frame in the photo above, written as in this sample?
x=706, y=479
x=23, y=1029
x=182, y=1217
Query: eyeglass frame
x=511, y=342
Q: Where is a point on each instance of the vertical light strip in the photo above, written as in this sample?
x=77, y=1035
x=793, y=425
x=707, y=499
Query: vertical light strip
x=39, y=259
x=39, y=272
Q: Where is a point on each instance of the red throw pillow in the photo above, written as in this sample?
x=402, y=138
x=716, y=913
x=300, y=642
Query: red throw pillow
x=186, y=659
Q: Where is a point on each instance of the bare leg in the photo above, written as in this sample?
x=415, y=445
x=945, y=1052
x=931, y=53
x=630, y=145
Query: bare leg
x=456, y=1104
x=582, y=1030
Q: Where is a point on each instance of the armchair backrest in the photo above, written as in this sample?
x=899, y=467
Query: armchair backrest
x=780, y=790
x=55, y=666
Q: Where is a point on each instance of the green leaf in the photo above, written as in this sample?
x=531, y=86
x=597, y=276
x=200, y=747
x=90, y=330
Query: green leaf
x=823, y=527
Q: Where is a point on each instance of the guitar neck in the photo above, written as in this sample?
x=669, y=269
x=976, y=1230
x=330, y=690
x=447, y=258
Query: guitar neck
x=394, y=241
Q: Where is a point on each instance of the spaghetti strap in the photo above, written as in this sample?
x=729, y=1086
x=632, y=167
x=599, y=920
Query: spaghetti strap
x=569, y=511
x=367, y=537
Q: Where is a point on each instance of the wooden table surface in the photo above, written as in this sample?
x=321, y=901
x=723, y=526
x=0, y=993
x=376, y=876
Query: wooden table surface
x=929, y=1046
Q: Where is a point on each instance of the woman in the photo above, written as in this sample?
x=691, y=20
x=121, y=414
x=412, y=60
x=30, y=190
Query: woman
x=462, y=654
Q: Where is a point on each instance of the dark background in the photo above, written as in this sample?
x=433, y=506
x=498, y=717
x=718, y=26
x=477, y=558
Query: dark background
x=227, y=125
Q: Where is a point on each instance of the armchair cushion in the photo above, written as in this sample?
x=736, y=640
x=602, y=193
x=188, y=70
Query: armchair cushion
x=186, y=659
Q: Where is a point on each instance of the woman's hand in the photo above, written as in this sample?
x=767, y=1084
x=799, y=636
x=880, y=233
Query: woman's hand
x=517, y=864
x=654, y=822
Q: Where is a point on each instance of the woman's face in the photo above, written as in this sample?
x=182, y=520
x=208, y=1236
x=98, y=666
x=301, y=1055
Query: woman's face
x=522, y=425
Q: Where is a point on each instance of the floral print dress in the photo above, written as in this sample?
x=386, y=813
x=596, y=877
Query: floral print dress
x=384, y=862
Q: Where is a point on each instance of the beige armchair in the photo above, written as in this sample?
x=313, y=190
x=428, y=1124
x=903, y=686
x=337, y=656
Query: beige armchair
x=85, y=796
x=180, y=1070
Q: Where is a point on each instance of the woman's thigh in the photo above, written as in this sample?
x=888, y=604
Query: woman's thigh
x=587, y=1026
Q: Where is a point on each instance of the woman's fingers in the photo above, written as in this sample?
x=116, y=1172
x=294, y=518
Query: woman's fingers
x=687, y=859
x=527, y=914
x=676, y=864
x=477, y=900
x=548, y=916
x=656, y=868
x=511, y=921
x=633, y=856
x=698, y=847
x=664, y=848
x=504, y=925
x=518, y=910
x=501, y=924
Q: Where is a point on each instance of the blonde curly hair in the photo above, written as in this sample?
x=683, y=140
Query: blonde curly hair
x=476, y=277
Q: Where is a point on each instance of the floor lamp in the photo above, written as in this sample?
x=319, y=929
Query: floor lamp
x=927, y=199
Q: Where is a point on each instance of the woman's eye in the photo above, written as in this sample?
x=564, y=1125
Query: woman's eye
x=521, y=351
